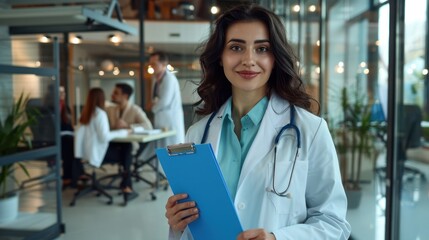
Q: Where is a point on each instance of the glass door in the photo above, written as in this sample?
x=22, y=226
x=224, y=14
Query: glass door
x=412, y=130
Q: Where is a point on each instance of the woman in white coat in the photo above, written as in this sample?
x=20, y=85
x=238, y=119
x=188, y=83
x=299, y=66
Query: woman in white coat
x=92, y=140
x=278, y=159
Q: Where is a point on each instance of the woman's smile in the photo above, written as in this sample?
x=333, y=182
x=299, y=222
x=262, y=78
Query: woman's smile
x=247, y=74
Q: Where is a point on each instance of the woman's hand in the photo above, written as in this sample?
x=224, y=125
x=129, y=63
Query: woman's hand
x=179, y=215
x=256, y=234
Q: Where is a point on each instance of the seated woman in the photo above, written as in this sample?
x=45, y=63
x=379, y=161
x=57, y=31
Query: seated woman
x=93, y=137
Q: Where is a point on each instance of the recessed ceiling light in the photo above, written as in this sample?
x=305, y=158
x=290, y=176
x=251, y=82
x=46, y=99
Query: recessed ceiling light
x=76, y=39
x=114, y=39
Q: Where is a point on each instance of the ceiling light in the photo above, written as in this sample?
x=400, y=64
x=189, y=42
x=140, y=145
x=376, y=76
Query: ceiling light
x=76, y=39
x=317, y=70
x=45, y=39
x=116, y=71
x=296, y=8
x=150, y=69
x=114, y=39
x=214, y=10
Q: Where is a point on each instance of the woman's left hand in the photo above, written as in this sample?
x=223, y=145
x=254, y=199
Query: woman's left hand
x=256, y=234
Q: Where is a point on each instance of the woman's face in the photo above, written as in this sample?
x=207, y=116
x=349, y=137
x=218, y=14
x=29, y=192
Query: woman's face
x=247, y=59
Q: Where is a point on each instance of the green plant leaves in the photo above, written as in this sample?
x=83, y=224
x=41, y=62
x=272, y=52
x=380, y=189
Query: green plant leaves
x=12, y=135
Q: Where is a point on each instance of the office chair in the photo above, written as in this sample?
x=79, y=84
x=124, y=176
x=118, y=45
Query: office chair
x=138, y=165
x=108, y=181
x=411, y=137
x=94, y=186
x=43, y=136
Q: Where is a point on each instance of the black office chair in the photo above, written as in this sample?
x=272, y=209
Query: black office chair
x=94, y=186
x=98, y=184
x=410, y=131
x=43, y=136
x=138, y=165
x=412, y=138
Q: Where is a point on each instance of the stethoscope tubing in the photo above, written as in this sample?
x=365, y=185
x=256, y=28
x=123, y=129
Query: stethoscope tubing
x=290, y=125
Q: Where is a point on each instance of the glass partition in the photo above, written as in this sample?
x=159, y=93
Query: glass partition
x=351, y=53
x=412, y=118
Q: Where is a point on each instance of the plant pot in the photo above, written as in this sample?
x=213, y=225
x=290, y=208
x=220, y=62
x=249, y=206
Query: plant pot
x=9, y=208
x=353, y=198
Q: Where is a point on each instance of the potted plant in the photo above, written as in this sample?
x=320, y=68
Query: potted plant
x=12, y=136
x=354, y=138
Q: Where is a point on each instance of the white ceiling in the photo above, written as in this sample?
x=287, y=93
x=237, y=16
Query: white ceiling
x=174, y=38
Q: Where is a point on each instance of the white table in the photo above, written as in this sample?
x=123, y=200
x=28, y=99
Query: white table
x=146, y=138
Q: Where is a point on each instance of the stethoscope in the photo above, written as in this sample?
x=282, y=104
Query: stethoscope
x=290, y=125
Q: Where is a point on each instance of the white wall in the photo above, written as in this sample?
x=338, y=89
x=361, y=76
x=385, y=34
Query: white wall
x=26, y=54
x=6, y=87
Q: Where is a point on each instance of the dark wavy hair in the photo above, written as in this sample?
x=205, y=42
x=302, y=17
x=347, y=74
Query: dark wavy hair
x=285, y=80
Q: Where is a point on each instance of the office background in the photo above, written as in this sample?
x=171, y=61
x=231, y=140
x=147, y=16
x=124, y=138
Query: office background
x=376, y=49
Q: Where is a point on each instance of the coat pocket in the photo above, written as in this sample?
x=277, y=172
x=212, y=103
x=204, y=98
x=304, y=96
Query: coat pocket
x=279, y=192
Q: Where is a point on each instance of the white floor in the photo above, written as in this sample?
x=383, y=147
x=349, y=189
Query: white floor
x=91, y=218
x=368, y=221
x=143, y=218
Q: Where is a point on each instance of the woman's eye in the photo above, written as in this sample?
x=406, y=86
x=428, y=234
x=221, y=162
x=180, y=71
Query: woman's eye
x=263, y=49
x=235, y=48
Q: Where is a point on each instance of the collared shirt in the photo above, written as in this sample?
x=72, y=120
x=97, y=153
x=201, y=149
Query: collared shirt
x=233, y=151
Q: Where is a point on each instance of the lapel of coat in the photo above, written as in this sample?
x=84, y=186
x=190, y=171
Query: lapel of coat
x=215, y=129
x=273, y=120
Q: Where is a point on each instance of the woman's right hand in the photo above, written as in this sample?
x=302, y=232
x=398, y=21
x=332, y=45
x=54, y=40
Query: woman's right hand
x=179, y=215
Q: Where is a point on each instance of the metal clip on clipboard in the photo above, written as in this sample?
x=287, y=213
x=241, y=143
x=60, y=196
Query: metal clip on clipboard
x=182, y=148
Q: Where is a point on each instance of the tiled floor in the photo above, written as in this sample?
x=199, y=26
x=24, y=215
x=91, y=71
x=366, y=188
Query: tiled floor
x=91, y=218
x=368, y=221
x=143, y=218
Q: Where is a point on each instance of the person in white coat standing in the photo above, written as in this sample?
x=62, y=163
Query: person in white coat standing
x=277, y=158
x=166, y=100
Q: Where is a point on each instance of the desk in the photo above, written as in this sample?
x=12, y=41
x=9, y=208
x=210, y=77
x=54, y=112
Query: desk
x=146, y=138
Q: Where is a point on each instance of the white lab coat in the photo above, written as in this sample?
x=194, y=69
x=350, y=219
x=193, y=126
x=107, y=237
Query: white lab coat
x=92, y=139
x=168, y=110
x=318, y=204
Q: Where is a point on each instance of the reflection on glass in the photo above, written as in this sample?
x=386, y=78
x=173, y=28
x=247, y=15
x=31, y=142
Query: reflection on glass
x=413, y=132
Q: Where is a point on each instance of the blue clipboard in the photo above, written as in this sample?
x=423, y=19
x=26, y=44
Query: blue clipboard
x=193, y=169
